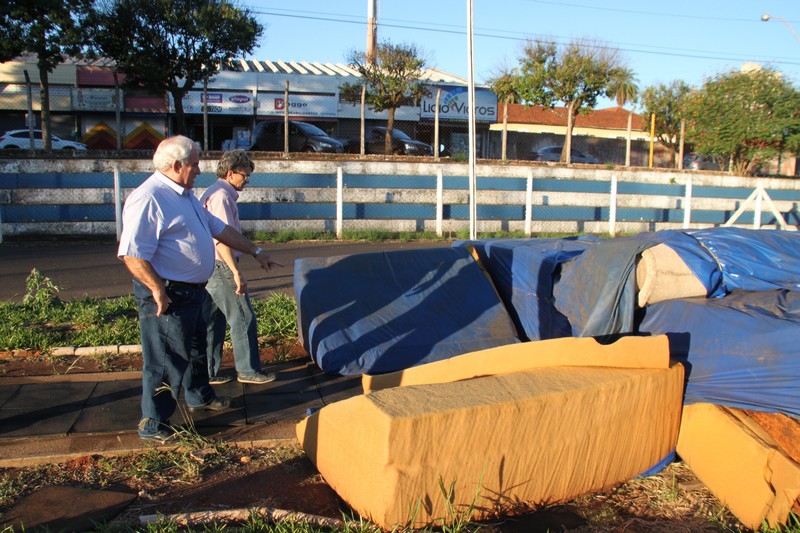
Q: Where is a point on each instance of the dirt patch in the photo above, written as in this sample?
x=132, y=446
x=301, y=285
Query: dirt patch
x=19, y=363
x=227, y=477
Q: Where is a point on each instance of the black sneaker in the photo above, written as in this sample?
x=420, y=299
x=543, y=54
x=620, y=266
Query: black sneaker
x=151, y=430
x=220, y=403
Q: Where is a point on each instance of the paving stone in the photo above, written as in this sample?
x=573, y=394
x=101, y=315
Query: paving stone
x=67, y=509
x=38, y=410
x=112, y=406
x=7, y=392
x=272, y=407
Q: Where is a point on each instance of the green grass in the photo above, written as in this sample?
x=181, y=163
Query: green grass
x=43, y=322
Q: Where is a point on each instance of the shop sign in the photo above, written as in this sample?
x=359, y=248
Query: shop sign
x=454, y=104
x=93, y=99
x=299, y=105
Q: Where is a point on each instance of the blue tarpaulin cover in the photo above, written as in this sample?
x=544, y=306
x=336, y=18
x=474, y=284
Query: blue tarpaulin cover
x=524, y=271
x=740, y=344
x=383, y=312
x=742, y=350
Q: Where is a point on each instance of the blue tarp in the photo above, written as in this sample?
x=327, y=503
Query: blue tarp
x=740, y=344
x=742, y=350
x=373, y=313
x=382, y=312
x=524, y=271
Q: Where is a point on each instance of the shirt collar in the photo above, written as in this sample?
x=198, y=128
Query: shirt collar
x=230, y=189
x=160, y=176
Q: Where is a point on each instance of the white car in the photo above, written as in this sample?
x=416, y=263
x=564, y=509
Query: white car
x=20, y=139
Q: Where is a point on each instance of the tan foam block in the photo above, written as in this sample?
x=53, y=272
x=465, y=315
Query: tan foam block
x=627, y=352
x=538, y=436
x=740, y=463
x=661, y=275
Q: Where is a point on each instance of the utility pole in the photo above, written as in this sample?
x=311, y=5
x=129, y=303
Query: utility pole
x=372, y=30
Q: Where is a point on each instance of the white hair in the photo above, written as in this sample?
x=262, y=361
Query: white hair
x=171, y=149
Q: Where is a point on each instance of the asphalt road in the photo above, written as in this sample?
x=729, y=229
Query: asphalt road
x=92, y=269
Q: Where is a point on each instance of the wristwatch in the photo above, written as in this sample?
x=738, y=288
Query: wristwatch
x=258, y=251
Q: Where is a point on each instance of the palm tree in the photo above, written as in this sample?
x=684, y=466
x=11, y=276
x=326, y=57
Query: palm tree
x=623, y=88
x=505, y=88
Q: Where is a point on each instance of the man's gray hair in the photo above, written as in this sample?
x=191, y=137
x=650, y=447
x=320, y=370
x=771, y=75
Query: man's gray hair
x=234, y=160
x=171, y=149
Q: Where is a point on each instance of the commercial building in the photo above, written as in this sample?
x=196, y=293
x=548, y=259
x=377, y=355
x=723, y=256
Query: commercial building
x=89, y=102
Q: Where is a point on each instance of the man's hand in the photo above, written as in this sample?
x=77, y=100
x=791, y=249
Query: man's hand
x=162, y=300
x=266, y=262
x=241, y=282
x=143, y=271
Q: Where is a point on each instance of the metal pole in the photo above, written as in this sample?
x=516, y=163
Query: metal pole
x=118, y=111
x=31, y=119
x=286, y=119
x=652, y=138
x=117, y=201
x=436, y=151
x=473, y=208
x=205, y=113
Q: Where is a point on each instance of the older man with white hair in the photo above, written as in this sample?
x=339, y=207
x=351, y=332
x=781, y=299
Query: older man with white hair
x=167, y=244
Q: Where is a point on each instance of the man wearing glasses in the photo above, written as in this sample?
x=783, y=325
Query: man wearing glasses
x=229, y=303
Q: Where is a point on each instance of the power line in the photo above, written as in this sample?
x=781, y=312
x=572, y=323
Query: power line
x=628, y=47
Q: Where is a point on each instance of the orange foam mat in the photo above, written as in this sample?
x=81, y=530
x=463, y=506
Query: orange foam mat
x=626, y=352
x=534, y=437
x=740, y=463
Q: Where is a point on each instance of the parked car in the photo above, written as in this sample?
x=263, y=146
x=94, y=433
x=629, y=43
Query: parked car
x=303, y=137
x=553, y=153
x=375, y=143
x=20, y=139
x=693, y=161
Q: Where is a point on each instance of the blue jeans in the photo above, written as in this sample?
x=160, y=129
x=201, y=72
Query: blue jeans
x=173, y=351
x=226, y=308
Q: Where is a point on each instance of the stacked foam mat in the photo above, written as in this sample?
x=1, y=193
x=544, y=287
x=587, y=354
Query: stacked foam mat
x=448, y=400
x=535, y=422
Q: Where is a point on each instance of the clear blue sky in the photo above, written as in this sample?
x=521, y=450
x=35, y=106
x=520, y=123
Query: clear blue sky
x=662, y=42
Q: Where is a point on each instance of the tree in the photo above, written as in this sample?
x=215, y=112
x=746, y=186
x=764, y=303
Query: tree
x=171, y=45
x=49, y=29
x=575, y=75
x=623, y=89
x=504, y=86
x=746, y=117
x=666, y=102
x=392, y=79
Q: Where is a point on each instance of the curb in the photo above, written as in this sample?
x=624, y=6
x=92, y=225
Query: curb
x=119, y=349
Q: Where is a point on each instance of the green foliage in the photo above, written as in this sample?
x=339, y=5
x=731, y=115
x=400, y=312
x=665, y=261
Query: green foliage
x=50, y=29
x=667, y=102
x=746, y=117
x=622, y=86
x=276, y=316
x=391, y=77
x=41, y=293
x=575, y=75
x=171, y=45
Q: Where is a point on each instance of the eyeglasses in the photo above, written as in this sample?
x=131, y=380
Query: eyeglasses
x=245, y=177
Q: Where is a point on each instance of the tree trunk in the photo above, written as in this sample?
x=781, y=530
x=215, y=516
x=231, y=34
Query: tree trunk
x=180, y=117
x=387, y=146
x=44, y=99
x=566, y=151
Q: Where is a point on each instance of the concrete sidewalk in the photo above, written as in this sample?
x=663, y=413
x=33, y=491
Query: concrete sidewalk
x=46, y=419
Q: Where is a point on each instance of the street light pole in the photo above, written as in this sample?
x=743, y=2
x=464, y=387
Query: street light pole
x=765, y=17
